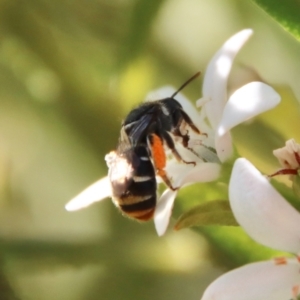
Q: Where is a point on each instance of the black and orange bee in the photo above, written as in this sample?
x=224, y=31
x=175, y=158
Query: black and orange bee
x=140, y=155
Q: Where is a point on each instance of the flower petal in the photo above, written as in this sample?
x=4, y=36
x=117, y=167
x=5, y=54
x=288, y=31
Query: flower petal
x=98, y=191
x=202, y=172
x=264, y=214
x=187, y=174
x=215, y=80
x=160, y=93
x=163, y=211
x=247, y=102
x=224, y=146
x=256, y=281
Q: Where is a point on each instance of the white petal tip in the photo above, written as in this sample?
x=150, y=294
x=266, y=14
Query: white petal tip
x=163, y=211
x=161, y=222
x=247, y=102
x=98, y=191
x=161, y=231
x=161, y=226
x=216, y=76
x=79, y=202
x=248, y=31
x=73, y=206
x=239, y=39
x=244, y=34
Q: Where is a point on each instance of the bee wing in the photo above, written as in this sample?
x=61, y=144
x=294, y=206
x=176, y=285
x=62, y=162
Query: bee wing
x=139, y=128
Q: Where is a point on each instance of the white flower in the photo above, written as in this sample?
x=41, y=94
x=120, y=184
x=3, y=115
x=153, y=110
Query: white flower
x=270, y=220
x=218, y=115
x=289, y=158
x=221, y=113
x=246, y=102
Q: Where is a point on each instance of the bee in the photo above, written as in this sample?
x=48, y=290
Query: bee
x=132, y=177
x=141, y=156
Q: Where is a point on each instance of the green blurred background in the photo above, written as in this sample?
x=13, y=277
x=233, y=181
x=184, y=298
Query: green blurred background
x=69, y=72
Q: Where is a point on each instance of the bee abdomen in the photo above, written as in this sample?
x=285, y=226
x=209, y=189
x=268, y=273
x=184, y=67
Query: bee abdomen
x=134, y=188
x=140, y=203
x=142, y=210
x=143, y=188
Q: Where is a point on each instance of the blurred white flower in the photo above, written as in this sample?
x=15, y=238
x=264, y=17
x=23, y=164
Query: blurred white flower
x=270, y=220
x=217, y=116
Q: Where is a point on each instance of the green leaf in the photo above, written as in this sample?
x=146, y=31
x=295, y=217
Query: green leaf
x=296, y=185
x=287, y=192
x=236, y=246
x=285, y=12
x=215, y=212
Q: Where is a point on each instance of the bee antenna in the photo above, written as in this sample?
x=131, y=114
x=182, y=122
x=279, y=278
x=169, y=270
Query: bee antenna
x=185, y=84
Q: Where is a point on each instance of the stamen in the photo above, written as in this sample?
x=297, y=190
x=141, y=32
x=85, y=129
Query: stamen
x=280, y=261
x=202, y=101
x=295, y=292
x=284, y=172
x=297, y=156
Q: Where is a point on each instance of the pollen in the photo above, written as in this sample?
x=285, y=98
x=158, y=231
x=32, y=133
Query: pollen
x=158, y=152
x=120, y=169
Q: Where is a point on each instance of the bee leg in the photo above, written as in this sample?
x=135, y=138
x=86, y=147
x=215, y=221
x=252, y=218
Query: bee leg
x=155, y=143
x=185, y=137
x=170, y=143
x=189, y=121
